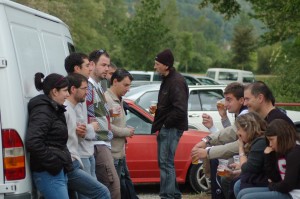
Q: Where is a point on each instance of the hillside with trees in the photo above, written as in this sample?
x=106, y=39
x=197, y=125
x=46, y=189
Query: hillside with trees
x=257, y=35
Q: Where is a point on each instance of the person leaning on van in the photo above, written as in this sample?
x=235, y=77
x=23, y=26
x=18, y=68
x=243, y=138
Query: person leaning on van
x=47, y=135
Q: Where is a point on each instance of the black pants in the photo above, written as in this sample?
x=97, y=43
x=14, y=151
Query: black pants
x=216, y=190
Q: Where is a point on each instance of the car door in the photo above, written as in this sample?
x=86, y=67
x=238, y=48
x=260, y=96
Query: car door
x=141, y=150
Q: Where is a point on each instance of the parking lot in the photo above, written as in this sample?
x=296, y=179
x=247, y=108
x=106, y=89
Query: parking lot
x=151, y=191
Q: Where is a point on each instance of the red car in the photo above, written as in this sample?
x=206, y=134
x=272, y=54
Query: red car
x=141, y=152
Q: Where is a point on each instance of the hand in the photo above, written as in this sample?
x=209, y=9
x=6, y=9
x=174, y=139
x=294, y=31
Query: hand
x=268, y=150
x=131, y=131
x=207, y=120
x=234, y=173
x=222, y=111
x=235, y=166
x=241, y=143
x=81, y=131
x=96, y=126
x=198, y=153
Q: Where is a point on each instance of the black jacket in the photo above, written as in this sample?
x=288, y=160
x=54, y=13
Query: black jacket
x=172, y=103
x=47, y=135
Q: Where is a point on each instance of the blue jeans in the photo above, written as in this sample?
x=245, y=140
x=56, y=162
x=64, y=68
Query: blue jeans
x=167, y=141
x=89, y=165
x=236, y=188
x=51, y=187
x=261, y=193
x=85, y=184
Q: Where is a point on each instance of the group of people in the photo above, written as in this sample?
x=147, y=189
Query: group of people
x=77, y=144
x=76, y=147
x=263, y=137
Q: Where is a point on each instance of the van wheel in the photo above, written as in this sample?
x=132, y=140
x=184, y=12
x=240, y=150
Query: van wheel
x=197, y=179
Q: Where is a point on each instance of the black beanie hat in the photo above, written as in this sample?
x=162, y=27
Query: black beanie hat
x=165, y=57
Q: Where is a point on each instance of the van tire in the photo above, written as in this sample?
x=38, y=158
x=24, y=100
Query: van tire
x=197, y=179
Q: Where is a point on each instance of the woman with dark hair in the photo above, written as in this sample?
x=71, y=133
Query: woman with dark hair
x=282, y=164
x=47, y=134
x=252, y=142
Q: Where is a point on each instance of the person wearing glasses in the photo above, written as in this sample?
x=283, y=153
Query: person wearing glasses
x=79, y=180
x=78, y=63
x=98, y=111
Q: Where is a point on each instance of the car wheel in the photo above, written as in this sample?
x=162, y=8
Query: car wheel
x=197, y=179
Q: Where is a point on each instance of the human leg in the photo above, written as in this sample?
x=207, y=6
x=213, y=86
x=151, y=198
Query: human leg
x=261, y=193
x=216, y=191
x=52, y=187
x=118, y=165
x=167, y=141
x=127, y=187
x=89, y=165
x=84, y=184
x=106, y=172
x=236, y=187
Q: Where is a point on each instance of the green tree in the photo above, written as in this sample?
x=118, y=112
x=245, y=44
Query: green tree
x=185, y=49
x=144, y=35
x=243, y=45
x=264, y=56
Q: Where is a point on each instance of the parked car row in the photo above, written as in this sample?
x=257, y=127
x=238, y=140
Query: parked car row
x=151, y=77
x=203, y=99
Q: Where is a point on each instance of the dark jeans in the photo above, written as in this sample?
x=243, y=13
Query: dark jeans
x=167, y=141
x=127, y=188
x=216, y=191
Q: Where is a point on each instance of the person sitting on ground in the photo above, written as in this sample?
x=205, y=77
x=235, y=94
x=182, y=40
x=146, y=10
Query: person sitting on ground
x=234, y=103
x=252, y=143
x=281, y=164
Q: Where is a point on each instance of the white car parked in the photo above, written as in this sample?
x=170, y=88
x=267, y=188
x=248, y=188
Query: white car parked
x=203, y=99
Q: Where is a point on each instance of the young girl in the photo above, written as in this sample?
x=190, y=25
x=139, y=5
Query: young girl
x=252, y=142
x=281, y=162
x=47, y=134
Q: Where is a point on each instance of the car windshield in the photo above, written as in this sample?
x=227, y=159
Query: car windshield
x=135, y=119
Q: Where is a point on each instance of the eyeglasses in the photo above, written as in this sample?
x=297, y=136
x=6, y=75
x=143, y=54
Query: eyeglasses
x=84, y=88
x=100, y=52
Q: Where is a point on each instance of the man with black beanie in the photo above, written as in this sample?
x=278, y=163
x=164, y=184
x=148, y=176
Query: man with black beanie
x=170, y=121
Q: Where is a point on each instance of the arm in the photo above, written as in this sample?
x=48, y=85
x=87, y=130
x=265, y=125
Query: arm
x=292, y=173
x=223, y=151
x=255, y=159
x=40, y=122
x=271, y=160
x=223, y=136
x=179, y=98
x=226, y=122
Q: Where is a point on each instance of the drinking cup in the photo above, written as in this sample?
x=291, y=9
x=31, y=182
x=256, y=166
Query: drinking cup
x=153, y=106
x=223, y=167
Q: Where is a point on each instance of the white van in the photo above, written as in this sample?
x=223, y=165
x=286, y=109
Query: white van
x=226, y=75
x=30, y=42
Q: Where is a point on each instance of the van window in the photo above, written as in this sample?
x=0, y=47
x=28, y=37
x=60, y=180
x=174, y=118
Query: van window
x=55, y=51
x=29, y=54
x=141, y=77
x=211, y=74
x=248, y=79
x=71, y=48
x=232, y=76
